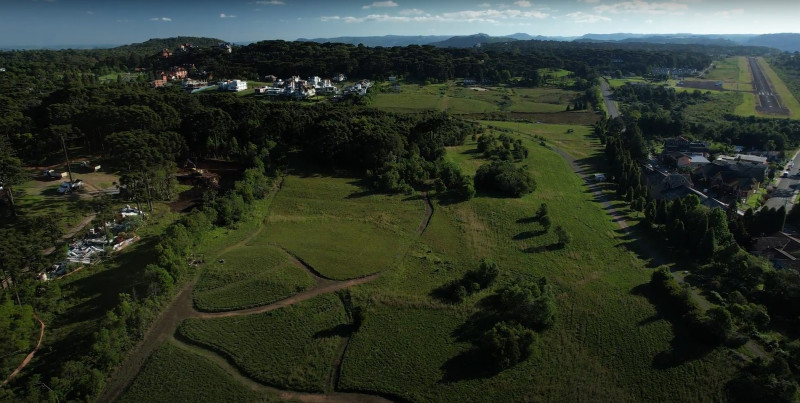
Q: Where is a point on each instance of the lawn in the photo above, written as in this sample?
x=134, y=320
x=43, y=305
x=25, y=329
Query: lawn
x=290, y=348
x=173, y=374
x=787, y=99
x=338, y=228
x=249, y=276
x=609, y=342
x=460, y=100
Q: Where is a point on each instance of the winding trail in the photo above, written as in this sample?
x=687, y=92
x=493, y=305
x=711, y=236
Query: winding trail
x=30, y=355
x=182, y=307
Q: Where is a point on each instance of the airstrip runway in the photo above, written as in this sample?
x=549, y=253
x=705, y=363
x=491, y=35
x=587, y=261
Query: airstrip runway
x=769, y=102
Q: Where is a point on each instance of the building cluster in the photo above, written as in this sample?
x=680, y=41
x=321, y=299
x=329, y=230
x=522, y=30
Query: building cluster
x=173, y=73
x=232, y=85
x=684, y=168
x=111, y=237
x=297, y=88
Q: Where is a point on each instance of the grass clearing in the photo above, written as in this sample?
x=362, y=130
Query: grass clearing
x=609, y=342
x=173, y=374
x=338, y=228
x=290, y=348
x=460, y=100
x=250, y=276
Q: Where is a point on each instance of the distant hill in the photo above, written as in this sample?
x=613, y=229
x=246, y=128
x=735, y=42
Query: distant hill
x=469, y=41
x=785, y=42
x=386, y=41
x=154, y=45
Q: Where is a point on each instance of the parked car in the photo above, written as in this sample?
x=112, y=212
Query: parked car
x=77, y=184
x=52, y=174
x=65, y=187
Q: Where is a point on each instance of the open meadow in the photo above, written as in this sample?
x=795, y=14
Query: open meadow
x=249, y=276
x=338, y=228
x=609, y=342
x=473, y=100
x=291, y=348
x=172, y=374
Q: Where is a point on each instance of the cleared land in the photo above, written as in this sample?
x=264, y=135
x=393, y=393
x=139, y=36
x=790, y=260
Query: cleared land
x=247, y=277
x=471, y=100
x=609, y=342
x=337, y=228
x=291, y=348
x=172, y=374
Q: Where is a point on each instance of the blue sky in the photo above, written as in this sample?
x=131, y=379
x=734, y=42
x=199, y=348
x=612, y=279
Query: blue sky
x=41, y=23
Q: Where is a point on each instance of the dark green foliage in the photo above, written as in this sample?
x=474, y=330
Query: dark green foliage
x=531, y=304
x=504, y=178
x=764, y=382
x=564, y=237
x=506, y=344
x=457, y=291
x=542, y=211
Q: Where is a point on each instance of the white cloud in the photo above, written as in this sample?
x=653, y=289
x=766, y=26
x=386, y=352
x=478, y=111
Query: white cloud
x=588, y=1
x=522, y=3
x=164, y=19
x=729, y=13
x=642, y=7
x=223, y=15
x=90, y=12
x=484, y=5
x=380, y=4
x=270, y=2
x=585, y=18
x=412, y=11
x=489, y=16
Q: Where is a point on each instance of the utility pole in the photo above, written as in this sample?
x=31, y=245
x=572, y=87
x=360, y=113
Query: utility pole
x=66, y=157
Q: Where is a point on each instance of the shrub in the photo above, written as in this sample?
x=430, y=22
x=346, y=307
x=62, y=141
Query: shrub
x=505, y=178
x=506, y=344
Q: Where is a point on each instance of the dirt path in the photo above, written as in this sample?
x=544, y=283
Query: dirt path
x=237, y=375
x=30, y=355
x=426, y=219
x=161, y=330
x=74, y=230
x=299, y=297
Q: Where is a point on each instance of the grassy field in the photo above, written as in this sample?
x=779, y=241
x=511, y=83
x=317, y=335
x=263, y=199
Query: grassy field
x=172, y=374
x=290, y=348
x=460, y=100
x=338, y=228
x=609, y=342
x=250, y=276
x=787, y=99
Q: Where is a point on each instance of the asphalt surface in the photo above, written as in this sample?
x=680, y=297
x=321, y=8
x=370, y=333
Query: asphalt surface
x=786, y=187
x=769, y=102
x=611, y=106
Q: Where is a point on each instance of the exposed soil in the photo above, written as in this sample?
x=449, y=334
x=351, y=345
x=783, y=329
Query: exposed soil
x=30, y=355
x=702, y=85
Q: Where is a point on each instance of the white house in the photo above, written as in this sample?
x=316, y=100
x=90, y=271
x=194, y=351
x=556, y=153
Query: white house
x=233, y=85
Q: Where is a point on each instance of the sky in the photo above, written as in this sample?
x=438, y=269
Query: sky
x=53, y=23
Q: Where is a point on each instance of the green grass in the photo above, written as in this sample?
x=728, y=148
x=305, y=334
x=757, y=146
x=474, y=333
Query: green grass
x=609, y=342
x=290, y=348
x=250, y=276
x=172, y=374
x=787, y=99
x=748, y=105
x=580, y=143
x=338, y=228
x=460, y=100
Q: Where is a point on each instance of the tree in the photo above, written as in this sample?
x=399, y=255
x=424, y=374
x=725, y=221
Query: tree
x=506, y=344
x=563, y=236
x=542, y=211
x=11, y=173
x=546, y=222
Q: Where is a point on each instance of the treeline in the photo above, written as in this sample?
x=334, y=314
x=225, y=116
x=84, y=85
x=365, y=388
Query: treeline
x=750, y=294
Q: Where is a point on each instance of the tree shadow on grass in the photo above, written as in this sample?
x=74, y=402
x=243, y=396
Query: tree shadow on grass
x=340, y=330
x=529, y=234
x=544, y=248
x=466, y=366
x=528, y=220
x=684, y=346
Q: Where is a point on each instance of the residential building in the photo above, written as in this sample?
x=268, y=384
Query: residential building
x=233, y=85
x=732, y=178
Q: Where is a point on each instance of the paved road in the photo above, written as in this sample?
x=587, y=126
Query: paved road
x=611, y=106
x=786, y=187
x=769, y=102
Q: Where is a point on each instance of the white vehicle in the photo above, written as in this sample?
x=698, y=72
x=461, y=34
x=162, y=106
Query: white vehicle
x=65, y=187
